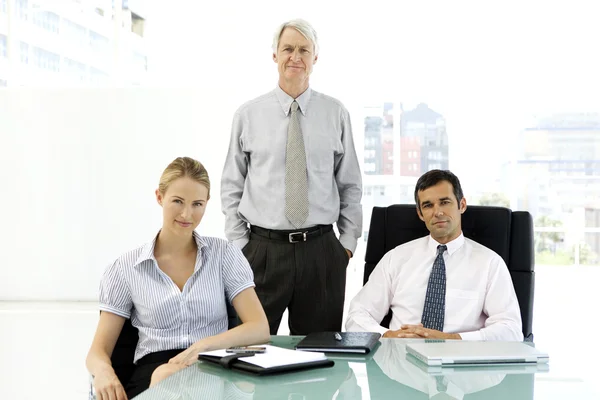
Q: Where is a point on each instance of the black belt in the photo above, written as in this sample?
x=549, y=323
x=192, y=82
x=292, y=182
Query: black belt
x=292, y=236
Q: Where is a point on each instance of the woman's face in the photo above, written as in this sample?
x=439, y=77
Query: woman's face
x=183, y=205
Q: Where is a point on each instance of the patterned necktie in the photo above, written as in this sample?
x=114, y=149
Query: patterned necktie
x=435, y=298
x=296, y=180
x=441, y=383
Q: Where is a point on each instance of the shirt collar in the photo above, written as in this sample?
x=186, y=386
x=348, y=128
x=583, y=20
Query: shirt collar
x=148, y=249
x=452, y=246
x=285, y=100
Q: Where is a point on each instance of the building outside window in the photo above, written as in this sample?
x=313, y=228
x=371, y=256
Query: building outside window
x=24, y=52
x=3, y=50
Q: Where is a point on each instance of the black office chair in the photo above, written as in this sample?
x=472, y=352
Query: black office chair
x=122, y=356
x=508, y=233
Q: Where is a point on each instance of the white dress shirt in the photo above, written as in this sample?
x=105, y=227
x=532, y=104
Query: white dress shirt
x=481, y=303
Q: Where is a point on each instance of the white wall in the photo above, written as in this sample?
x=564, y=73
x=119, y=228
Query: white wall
x=78, y=170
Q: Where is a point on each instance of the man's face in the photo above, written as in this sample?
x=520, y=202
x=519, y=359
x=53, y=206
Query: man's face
x=295, y=57
x=441, y=212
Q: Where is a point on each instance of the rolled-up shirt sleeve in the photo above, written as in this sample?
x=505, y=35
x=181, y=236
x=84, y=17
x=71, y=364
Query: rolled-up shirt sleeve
x=115, y=295
x=373, y=301
x=237, y=274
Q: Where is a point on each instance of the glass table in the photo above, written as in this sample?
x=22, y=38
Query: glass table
x=386, y=373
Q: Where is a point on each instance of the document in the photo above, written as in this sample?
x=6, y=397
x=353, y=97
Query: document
x=274, y=357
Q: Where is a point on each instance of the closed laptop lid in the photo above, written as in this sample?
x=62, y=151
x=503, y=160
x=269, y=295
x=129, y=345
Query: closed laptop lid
x=457, y=352
x=479, y=369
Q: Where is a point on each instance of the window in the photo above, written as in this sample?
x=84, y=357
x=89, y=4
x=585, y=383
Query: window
x=74, y=69
x=23, y=9
x=24, y=52
x=543, y=144
x=46, y=60
x=370, y=167
x=99, y=43
x=140, y=61
x=3, y=50
x=74, y=33
x=46, y=20
x=98, y=77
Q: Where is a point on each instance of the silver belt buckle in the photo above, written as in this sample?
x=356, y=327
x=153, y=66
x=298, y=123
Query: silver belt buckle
x=291, y=239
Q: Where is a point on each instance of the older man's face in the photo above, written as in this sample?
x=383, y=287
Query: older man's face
x=295, y=56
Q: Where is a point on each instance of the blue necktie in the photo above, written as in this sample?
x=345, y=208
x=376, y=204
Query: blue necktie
x=435, y=298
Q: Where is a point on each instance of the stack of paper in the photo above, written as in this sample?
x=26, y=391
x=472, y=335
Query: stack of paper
x=274, y=357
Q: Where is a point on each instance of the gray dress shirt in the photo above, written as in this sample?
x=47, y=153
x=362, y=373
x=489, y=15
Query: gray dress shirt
x=253, y=180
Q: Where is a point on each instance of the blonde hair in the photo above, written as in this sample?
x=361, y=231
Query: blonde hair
x=184, y=167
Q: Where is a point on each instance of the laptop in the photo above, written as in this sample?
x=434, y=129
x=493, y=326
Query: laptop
x=465, y=353
x=474, y=370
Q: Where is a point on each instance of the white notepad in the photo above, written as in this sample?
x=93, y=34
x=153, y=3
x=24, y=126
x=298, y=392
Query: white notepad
x=274, y=357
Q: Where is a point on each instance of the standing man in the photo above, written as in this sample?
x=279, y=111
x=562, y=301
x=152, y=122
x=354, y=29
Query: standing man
x=291, y=172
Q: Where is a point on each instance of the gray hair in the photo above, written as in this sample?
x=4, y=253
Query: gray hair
x=301, y=26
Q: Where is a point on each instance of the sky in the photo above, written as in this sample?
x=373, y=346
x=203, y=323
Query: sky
x=487, y=67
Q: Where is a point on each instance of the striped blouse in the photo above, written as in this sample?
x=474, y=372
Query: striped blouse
x=167, y=318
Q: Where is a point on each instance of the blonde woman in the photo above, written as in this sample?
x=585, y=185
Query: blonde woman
x=175, y=289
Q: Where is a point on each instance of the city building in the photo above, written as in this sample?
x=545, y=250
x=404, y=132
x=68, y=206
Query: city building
x=556, y=174
x=399, y=146
x=72, y=43
x=423, y=141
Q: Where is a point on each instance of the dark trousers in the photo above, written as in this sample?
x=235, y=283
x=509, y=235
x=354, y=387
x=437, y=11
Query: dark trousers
x=308, y=278
x=140, y=379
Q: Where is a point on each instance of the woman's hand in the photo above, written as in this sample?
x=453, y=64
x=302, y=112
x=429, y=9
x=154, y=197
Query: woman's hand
x=188, y=356
x=108, y=387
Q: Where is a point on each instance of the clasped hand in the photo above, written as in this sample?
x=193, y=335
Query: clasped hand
x=420, y=332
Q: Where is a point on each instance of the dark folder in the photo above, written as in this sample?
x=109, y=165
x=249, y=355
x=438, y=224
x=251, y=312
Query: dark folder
x=346, y=342
x=236, y=361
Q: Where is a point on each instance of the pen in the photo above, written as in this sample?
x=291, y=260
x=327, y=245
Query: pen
x=337, y=336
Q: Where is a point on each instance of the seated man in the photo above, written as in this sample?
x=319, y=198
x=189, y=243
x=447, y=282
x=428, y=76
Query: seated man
x=443, y=286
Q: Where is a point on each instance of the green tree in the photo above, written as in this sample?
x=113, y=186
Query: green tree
x=546, y=241
x=494, y=199
x=586, y=255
